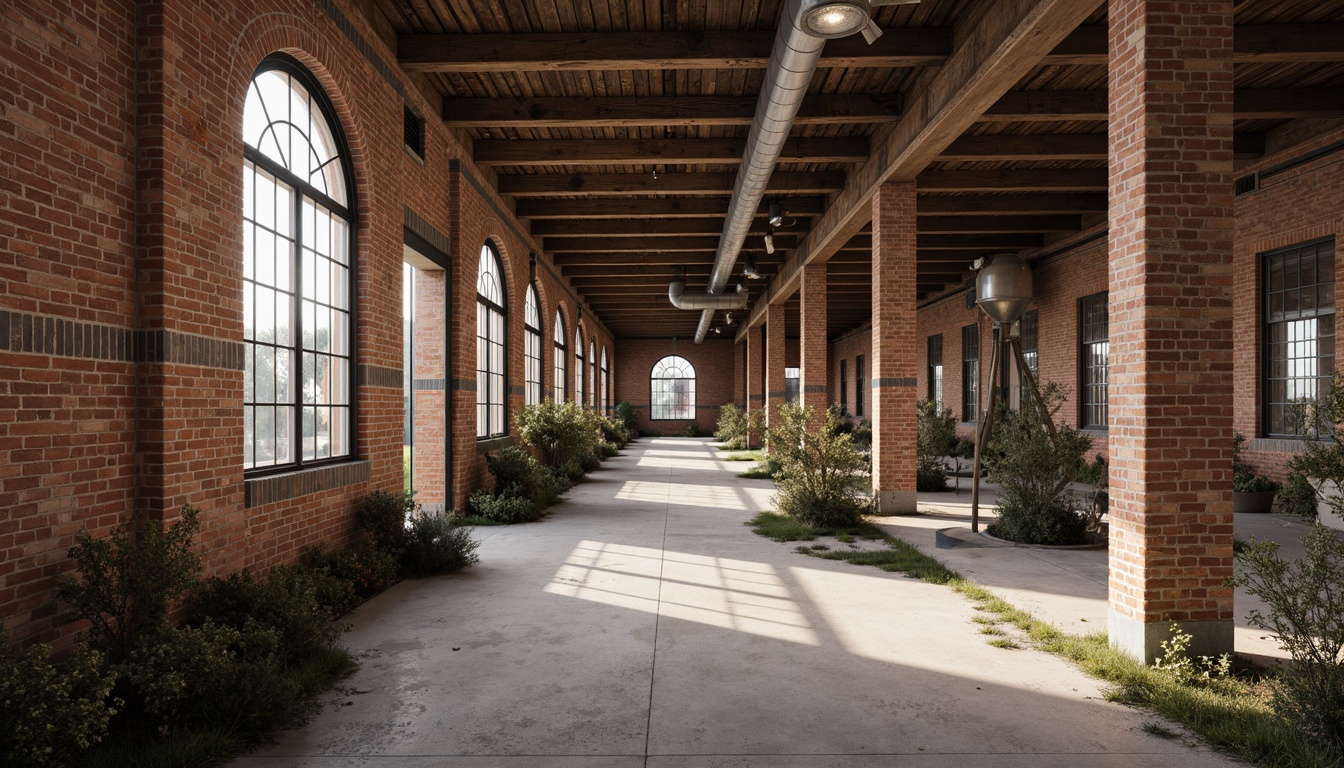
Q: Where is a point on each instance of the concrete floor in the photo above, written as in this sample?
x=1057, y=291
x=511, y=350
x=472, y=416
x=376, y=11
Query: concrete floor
x=643, y=625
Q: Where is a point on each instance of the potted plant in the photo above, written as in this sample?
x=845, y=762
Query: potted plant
x=1251, y=492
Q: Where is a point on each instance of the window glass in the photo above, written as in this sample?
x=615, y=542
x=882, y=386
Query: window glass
x=672, y=389
x=490, y=333
x=1299, y=336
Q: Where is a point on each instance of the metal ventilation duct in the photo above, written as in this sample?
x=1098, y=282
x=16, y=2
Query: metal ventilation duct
x=676, y=293
x=792, y=61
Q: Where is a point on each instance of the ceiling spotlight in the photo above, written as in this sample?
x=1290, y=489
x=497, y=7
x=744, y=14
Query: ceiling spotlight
x=717, y=330
x=728, y=316
x=749, y=268
x=776, y=213
x=837, y=18
x=769, y=241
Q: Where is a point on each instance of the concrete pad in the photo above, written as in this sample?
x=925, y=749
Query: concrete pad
x=643, y=623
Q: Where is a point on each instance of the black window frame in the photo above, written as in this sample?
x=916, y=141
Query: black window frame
x=934, y=356
x=580, y=370
x=560, y=361
x=1322, y=249
x=970, y=373
x=858, y=385
x=1094, y=335
x=490, y=306
x=844, y=387
x=533, y=335
x=1029, y=339
x=653, y=399
x=349, y=212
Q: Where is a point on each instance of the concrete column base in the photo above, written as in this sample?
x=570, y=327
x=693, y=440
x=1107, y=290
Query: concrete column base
x=1144, y=641
x=896, y=502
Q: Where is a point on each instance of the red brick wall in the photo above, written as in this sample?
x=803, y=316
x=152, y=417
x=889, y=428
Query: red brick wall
x=715, y=371
x=120, y=239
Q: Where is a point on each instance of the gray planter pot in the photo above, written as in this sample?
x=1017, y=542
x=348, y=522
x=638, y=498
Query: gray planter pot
x=1260, y=501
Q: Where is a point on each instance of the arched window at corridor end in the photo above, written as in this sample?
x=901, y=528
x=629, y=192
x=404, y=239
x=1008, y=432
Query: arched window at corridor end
x=532, y=347
x=298, y=273
x=672, y=389
x=491, y=419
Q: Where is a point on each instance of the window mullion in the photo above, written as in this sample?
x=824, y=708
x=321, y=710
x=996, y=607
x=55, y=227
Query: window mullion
x=296, y=337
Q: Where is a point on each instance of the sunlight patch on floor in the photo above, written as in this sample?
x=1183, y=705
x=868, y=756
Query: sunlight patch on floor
x=720, y=592
x=681, y=494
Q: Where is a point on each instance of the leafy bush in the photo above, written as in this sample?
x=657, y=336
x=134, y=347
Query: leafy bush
x=129, y=579
x=518, y=474
x=382, y=517
x=964, y=448
x=590, y=462
x=1244, y=477
x=1093, y=473
x=935, y=437
x=821, y=478
x=615, y=431
x=1306, y=611
x=1322, y=458
x=368, y=570
x=606, y=450
x=1176, y=662
x=736, y=425
x=625, y=413
x=1297, y=497
x=563, y=432
x=50, y=713
x=1033, y=468
x=436, y=544
x=503, y=509
x=287, y=603
x=218, y=676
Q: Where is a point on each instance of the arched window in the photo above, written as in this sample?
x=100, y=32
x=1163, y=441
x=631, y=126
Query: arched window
x=578, y=366
x=490, y=336
x=298, y=286
x=606, y=382
x=672, y=389
x=592, y=372
x=561, y=359
x=532, y=347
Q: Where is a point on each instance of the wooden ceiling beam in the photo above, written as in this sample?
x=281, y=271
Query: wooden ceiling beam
x=987, y=224
x=660, y=111
x=957, y=242
x=671, y=207
x=1015, y=147
x=1007, y=40
x=1015, y=179
x=1287, y=103
x=1047, y=106
x=470, y=53
x=557, y=228
x=493, y=152
x=622, y=249
x=1011, y=205
x=622, y=184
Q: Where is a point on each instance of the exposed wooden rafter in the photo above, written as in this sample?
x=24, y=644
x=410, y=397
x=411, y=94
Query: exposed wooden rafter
x=621, y=184
x=659, y=111
x=851, y=149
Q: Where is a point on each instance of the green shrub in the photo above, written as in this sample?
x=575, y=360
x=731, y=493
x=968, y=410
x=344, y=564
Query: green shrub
x=625, y=413
x=437, y=543
x=615, y=431
x=382, y=517
x=368, y=570
x=1304, y=599
x=935, y=437
x=1033, y=468
x=731, y=429
x=1297, y=497
x=964, y=448
x=50, y=713
x=503, y=509
x=287, y=603
x=570, y=472
x=128, y=580
x=518, y=474
x=590, y=462
x=218, y=676
x=1322, y=457
x=562, y=432
x=606, y=450
x=821, y=478
x=1244, y=477
x=1093, y=473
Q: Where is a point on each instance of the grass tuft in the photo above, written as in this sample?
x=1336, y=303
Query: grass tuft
x=1005, y=643
x=746, y=456
x=756, y=473
x=1159, y=730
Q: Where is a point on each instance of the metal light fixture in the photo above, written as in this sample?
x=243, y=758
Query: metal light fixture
x=776, y=213
x=838, y=18
x=749, y=268
x=728, y=316
x=770, y=241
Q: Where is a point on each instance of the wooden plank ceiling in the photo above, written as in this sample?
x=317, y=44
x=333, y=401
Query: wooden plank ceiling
x=615, y=127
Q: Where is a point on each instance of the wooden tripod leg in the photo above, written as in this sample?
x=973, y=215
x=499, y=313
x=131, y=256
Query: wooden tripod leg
x=982, y=435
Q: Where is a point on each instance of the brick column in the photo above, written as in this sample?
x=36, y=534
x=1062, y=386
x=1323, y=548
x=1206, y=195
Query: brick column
x=895, y=359
x=740, y=374
x=812, y=321
x=429, y=473
x=774, y=362
x=1170, y=372
x=755, y=367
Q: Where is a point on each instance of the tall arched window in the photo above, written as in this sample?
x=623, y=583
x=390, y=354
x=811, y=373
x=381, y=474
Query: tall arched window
x=672, y=389
x=561, y=359
x=606, y=382
x=298, y=287
x=579, y=372
x=490, y=337
x=592, y=372
x=532, y=347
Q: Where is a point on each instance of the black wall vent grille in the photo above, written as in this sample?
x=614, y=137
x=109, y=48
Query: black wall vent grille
x=1245, y=184
x=414, y=126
